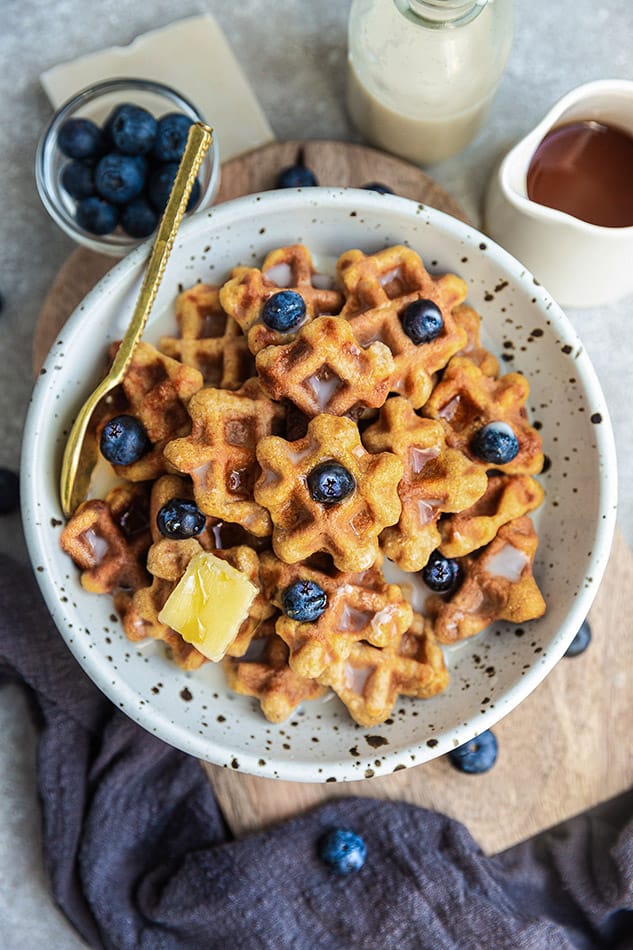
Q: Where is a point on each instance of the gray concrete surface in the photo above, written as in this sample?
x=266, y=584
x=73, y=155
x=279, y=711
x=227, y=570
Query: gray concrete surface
x=294, y=54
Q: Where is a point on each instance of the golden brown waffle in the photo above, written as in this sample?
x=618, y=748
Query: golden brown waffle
x=360, y=606
x=325, y=370
x=108, y=540
x=265, y=674
x=466, y=400
x=286, y=268
x=216, y=535
x=209, y=340
x=348, y=530
x=369, y=680
x=470, y=321
x=219, y=454
x=156, y=390
x=498, y=584
x=436, y=479
x=378, y=287
x=167, y=561
x=506, y=497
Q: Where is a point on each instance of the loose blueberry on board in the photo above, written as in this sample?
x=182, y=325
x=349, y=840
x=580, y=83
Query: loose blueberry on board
x=441, y=573
x=80, y=138
x=160, y=183
x=180, y=519
x=9, y=491
x=284, y=310
x=96, y=215
x=138, y=218
x=380, y=188
x=422, y=321
x=304, y=601
x=581, y=641
x=476, y=756
x=133, y=130
x=330, y=483
x=171, y=136
x=296, y=176
x=119, y=178
x=343, y=851
x=495, y=443
x=78, y=179
x=124, y=440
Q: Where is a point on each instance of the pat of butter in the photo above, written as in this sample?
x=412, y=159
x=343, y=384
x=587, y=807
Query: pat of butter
x=209, y=604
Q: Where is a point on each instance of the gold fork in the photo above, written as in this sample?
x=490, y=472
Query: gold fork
x=81, y=451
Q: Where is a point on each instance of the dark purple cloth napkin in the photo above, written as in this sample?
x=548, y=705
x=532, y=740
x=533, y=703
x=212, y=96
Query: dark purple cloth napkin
x=139, y=856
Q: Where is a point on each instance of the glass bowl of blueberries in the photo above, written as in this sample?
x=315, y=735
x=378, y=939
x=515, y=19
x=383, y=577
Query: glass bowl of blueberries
x=107, y=160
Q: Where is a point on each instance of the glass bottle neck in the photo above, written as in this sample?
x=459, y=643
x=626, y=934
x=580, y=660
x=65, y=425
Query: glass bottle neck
x=441, y=13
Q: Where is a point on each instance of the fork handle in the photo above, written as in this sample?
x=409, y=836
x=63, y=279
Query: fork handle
x=198, y=141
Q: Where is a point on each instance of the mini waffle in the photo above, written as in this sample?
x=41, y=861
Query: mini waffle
x=265, y=674
x=378, y=287
x=466, y=400
x=369, y=680
x=108, y=540
x=349, y=530
x=360, y=606
x=325, y=370
x=287, y=268
x=436, y=479
x=470, y=321
x=219, y=454
x=498, y=584
x=506, y=497
x=156, y=390
x=209, y=340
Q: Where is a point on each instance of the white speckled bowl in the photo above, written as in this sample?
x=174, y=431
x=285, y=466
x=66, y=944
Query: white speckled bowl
x=490, y=674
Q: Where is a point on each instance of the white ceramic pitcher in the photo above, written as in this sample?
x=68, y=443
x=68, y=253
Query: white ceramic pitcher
x=580, y=264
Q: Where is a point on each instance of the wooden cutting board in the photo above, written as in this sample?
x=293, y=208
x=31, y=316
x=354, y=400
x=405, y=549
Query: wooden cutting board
x=564, y=749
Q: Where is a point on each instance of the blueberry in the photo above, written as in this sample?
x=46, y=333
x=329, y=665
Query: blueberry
x=138, y=218
x=133, y=130
x=296, y=176
x=422, y=321
x=171, y=136
x=96, y=215
x=329, y=483
x=9, y=491
x=179, y=519
x=581, y=641
x=343, y=851
x=78, y=179
x=119, y=178
x=441, y=573
x=109, y=122
x=304, y=601
x=124, y=440
x=377, y=186
x=80, y=138
x=476, y=756
x=284, y=310
x=495, y=443
x=160, y=183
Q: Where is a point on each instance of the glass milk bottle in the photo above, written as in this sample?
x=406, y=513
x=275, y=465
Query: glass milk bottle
x=422, y=73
